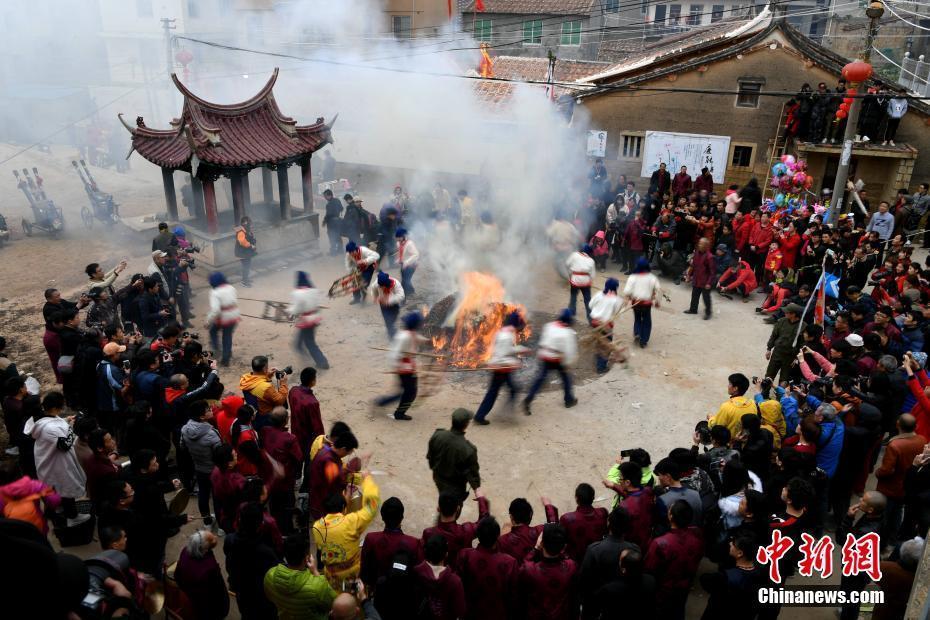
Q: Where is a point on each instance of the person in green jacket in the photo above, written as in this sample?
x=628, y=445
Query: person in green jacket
x=296, y=587
x=782, y=348
x=452, y=458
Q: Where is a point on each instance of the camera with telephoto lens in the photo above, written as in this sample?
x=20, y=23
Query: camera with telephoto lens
x=99, y=602
x=702, y=428
x=191, y=335
x=287, y=370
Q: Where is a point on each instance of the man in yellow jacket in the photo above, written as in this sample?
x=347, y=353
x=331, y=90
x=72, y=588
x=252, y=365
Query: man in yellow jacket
x=259, y=390
x=337, y=535
x=732, y=410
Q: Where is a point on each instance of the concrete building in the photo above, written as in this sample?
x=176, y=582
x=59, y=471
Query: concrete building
x=412, y=19
x=571, y=29
x=750, y=60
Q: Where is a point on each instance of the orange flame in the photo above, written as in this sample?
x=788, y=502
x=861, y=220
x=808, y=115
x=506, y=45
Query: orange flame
x=477, y=318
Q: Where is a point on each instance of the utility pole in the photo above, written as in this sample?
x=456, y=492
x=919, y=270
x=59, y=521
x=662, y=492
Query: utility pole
x=874, y=12
x=168, y=25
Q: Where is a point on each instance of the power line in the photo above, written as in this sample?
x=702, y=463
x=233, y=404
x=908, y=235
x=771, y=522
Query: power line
x=918, y=26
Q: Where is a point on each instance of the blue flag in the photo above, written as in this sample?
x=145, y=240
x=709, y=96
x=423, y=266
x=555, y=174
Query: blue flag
x=831, y=285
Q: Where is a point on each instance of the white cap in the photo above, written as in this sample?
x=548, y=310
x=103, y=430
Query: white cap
x=854, y=340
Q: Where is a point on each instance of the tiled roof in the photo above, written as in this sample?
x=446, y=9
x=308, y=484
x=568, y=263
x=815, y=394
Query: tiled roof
x=686, y=42
x=535, y=69
x=239, y=135
x=535, y=7
x=618, y=49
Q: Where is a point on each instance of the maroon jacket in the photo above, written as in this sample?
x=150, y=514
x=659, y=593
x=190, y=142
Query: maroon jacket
x=489, y=578
x=99, y=470
x=227, y=495
x=673, y=559
x=283, y=447
x=306, y=420
x=521, y=539
x=633, y=237
x=704, y=182
x=52, y=342
x=584, y=526
x=703, y=269
x=379, y=550
x=444, y=595
x=641, y=507
x=458, y=535
x=546, y=589
x=681, y=183
x=326, y=478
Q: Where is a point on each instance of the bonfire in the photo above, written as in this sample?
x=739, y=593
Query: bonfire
x=467, y=333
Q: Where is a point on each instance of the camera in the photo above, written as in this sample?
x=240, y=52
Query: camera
x=191, y=335
x=702, y=428
x=99, y=601
x=625, y=454
x=287, y=370
x=127, y=365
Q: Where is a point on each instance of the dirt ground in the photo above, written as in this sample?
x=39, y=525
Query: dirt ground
x=651, y=402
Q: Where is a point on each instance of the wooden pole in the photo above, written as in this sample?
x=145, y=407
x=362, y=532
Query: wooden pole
x=209, y=203
x=284, y=193
x=235, y=181
x=267, y=186
x=171, y=198
x=197, y=191
x=306, y=184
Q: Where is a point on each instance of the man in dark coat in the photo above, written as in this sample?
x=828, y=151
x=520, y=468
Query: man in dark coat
x=453, y=459
x=380, y=547
x=782, y=346
x=703, y=275
x=332, y=220
x=660, y=181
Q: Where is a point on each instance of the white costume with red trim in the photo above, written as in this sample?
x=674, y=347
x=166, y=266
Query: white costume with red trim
x=603, y=307
x=403, y=347
x=391, y=295
x=224, y=306
x=305, y=305
x=581, y=269
x=361, y=259
x=407, y=254
x=558, y=343
x=505, y=350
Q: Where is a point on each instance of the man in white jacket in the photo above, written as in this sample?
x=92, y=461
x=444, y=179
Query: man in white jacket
x=604, y=307
x=57, y=464
x=223, y=315
x=408, y=256
x=580, y=277
x=305, y=308
x=642, y=290
x=402, y=356
x=504, y=360
x=557, y=349
x=389, y=295
x=363, y=261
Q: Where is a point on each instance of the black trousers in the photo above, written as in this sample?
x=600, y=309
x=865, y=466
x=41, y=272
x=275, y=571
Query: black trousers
x=697, y=292
x=499, y=378
x=204, y=492
x=408, y=394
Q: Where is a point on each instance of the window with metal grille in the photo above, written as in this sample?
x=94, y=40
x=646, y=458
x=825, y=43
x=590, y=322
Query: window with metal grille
x=483, y=30
x=632, y=147
x=742, y=156
x=532, y=31
x=674, y=14
x=660, y=15
x=571, y=32
x=611, y=6
x=400, y=26
x=644, y=6
x=748, y=96
x=694, y=16
x=716, y=13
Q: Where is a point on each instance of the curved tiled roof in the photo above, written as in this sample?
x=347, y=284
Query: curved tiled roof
x=535, y=7
x=241, y=135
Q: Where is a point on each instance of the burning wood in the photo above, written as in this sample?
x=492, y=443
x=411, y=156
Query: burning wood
x=467, y=332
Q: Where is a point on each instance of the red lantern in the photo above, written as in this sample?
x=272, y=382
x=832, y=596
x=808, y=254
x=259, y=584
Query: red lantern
x=184, y=56
x=841, y=114
x=851, y=92
x=857, y=71
x=848, y=101
x=844, y=107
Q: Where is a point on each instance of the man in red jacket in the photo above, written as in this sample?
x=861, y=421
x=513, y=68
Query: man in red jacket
x=703, y=274
x=306, y=419
x=282, y=447
x=327, y=476
x=458, y=535
x=681, y=184
x=585, y=525
x=759, y=240
x=522, y=537
x=489, y=576
x=789, y=241
x=704, y=182
x=546, y=585
x=742, y=229
x=673, y=560
x=738, y=278
x=444, y=596
x=380, y=547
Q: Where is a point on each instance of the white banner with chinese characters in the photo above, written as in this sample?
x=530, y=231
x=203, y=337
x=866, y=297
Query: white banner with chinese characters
x=693, y=150
x=597, y=143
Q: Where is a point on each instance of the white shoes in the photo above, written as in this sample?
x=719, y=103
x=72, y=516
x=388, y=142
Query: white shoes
x=81, y=518
x=891, y=143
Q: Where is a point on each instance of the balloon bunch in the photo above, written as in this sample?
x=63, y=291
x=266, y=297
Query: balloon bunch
x=843, y=110
x=789, y=176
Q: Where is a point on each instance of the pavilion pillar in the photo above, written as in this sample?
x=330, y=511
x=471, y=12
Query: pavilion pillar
x=197, y=191
x=246, y=193
x=284, y=193
x=306, y=184
x=267, y=187
x=171, y=198
x=235, y=180
x=209, y=203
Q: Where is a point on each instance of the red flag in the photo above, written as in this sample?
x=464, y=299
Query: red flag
x=449, y=5
x=821, y=305
x=479, y=5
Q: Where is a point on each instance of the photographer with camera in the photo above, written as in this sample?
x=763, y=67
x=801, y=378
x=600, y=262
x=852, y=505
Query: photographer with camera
x=149, y=383
x=194, y=363
x=152, y=313
x=259, y=389
x=177, y=264
x=113, y=386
